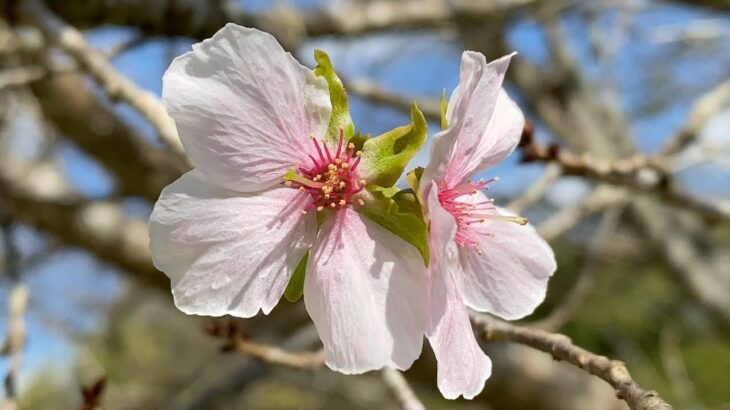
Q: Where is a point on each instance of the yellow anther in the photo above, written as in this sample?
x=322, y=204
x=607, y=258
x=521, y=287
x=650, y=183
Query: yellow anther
x=350, y=146
x=358, y=153
x=338, y=161
x=332, y=205
x=345, y=165
x=360, y=202
x=342, y=202
x=320, y=208
x=326, y=196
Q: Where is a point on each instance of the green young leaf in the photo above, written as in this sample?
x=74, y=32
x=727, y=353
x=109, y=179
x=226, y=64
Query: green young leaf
x=444, y=107
x=340, y=119
x=414, y=181
x=295, y=288
x=385, y=156
x=399, y=212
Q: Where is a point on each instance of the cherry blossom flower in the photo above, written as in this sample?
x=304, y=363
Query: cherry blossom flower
x=230, y=233
x=481, y=257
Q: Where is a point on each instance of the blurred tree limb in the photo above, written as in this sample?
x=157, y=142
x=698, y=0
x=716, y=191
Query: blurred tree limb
x=16, y=327
x=93, y=62
x=196, y=19
x=37, y=194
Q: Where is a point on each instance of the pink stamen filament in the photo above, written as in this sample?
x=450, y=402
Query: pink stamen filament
x=469, y=215
x=331, y=181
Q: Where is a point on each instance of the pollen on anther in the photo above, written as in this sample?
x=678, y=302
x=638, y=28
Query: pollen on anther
x=350, y=146
x=320, y=208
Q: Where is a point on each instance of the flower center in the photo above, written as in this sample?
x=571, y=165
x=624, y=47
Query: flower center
x=470, y=214
x=332, y=179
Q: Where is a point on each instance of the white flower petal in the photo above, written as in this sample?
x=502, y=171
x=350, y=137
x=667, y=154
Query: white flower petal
x=510, y=277
x=244, y=108
x=479, y=152
x=365, y=290
x=463, y=367
x=442, y=227
x=227, y=252
x=485, y=125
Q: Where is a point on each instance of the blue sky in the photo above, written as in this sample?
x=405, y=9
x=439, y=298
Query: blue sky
x=418, y=65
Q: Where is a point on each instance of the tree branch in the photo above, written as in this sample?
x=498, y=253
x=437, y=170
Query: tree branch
x=38, y=195
x=702, y=110
x=401, y=390
x=586, y=276
x=599, y=199
x=116, y=86
x=17, y=302
x=200, y=20
x=638, y=172
x=561, y=348
x=13, y=346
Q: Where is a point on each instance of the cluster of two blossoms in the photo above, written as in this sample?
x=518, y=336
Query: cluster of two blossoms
x=281, y=184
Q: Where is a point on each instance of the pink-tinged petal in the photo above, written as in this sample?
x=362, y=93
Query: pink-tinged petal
x=476, y=153
x=244, y=108
x=441, y=229
x=510, y=277
x=365, y=290
x=484, y=123
x=463, y=367
x=227, y=252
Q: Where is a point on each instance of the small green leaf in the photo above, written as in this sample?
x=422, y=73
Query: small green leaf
x=340, y=119
x=295, y=288
x=385, y=156
x=414, y=181
x=399, y=212
x=444, y=107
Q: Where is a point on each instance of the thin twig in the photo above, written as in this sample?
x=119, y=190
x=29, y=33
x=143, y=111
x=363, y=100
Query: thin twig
x=20, y=76
x=17, y=302
x=599, y=199
x=401, y=390
x=703, y=109
x=670, y=353
x=116, y=85
x=237, y=339
x=638, y=172
x=586, y=277
x=13, y=346
x=277, y=356
x=370, y=91
x=561, y=347
x=537, y=190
